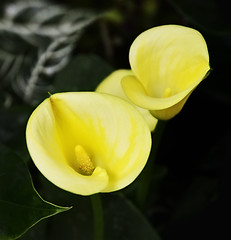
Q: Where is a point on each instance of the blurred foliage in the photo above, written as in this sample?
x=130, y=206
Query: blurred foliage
x=71, y=46
x=45, y=36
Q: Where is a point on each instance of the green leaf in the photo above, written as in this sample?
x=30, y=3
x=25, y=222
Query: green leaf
x=74, y=224
x=20, y=205
x=83, y=73
x=122, y=220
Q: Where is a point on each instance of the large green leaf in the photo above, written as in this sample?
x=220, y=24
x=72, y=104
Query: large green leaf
x=20, y=205
x=122, y=220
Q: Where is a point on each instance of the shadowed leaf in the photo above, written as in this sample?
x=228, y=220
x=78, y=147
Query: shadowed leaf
x=20, y=205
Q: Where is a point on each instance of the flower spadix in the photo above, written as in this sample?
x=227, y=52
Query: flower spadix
x=88, y=142
x=112, y=85
x=168, y=62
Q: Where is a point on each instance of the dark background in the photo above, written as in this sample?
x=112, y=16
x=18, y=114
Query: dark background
x=190, y=200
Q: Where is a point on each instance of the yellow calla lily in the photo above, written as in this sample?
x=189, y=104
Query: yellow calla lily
x=112, y=85
x=168, y=63
x=88, y=142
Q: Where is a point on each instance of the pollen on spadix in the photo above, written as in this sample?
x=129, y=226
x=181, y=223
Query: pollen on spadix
x=84, y=164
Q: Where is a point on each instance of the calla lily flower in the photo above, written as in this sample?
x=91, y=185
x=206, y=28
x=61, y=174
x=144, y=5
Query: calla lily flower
x=168, y=63
x=88, y=142
x=112, y=85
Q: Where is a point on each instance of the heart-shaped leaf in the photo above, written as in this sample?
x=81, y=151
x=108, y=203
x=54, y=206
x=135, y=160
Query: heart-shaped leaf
x=21, y=207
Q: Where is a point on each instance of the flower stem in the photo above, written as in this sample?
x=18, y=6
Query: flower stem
x=147, y=174
x=98, y=216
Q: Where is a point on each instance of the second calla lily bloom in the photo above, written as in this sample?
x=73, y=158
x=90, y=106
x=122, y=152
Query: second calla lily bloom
x=168, y=62
x=88, y=142
x=112, y=85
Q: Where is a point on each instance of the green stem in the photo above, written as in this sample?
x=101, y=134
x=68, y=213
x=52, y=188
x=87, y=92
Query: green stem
x=147, y=174
x=98, y=216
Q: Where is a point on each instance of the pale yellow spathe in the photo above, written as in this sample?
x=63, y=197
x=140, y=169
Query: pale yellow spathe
x=88, y=142
x=112, y=85
x=168, y=62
